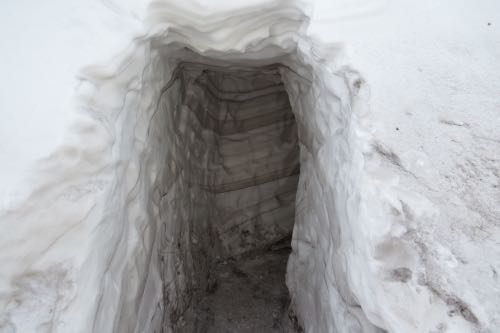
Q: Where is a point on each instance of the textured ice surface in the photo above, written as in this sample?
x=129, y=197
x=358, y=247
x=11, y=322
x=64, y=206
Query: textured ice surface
x=107, y=223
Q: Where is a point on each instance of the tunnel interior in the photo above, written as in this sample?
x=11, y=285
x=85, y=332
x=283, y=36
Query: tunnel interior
x=233, y=150
x=254, y=166
x=227, y=158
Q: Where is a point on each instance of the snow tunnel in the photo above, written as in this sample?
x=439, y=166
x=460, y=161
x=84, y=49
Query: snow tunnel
x=233, y=175
x=231, y=167
x=234, y=148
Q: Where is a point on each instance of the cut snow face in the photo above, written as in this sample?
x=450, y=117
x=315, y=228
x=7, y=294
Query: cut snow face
x=244, y=149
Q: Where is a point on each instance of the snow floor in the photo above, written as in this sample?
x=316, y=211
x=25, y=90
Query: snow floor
x=248, y=294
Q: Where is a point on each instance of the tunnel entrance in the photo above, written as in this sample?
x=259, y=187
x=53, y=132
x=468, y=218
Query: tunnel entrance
x=193, y=155
x=236, y=150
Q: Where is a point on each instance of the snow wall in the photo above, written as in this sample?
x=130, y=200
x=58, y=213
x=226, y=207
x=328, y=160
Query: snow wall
x=129, y=227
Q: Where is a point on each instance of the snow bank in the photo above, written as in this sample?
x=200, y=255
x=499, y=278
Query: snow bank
x=119, y=227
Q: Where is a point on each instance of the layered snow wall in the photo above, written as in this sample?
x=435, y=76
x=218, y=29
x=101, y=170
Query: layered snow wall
x=134, y=222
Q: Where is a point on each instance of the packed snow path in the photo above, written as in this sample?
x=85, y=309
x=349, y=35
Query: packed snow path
x=247, y=295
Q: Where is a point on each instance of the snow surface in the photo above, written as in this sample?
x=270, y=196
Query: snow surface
x=397, y=207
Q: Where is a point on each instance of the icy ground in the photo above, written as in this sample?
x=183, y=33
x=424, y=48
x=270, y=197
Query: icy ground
x=250, y=295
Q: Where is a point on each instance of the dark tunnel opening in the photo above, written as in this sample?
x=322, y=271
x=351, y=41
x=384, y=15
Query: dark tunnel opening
x=248, y=175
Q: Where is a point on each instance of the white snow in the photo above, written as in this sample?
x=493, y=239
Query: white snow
x=397, y=207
